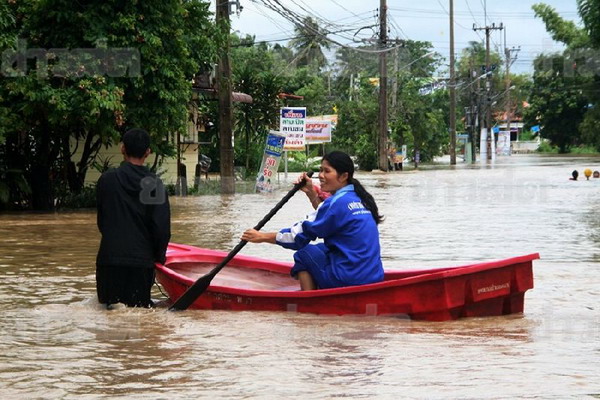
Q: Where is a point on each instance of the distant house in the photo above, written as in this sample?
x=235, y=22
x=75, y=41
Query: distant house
x=516, y=125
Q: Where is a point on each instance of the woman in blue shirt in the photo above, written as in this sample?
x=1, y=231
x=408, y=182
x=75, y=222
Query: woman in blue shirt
x=347, y=223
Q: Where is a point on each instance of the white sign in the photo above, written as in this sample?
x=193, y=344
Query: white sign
x=292, y=123
x=503, y=146
x=318, y=131
x=270, y=162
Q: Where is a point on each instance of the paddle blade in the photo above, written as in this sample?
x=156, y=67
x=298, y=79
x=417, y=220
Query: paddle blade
x=192, y=293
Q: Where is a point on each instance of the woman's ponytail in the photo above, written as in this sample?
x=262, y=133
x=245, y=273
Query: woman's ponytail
x=367, y=200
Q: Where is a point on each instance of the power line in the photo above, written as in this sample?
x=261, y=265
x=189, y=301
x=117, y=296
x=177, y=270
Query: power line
x=289, y=38
x=474, y=19
x=299, y=21
x=495, y=15
x=447, y=13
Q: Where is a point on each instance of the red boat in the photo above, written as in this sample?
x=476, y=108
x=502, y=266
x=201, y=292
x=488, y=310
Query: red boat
x=254, y=284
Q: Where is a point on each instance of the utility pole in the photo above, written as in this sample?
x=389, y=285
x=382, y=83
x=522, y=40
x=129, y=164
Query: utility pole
x=395, y=82
x=473, y=110
x=383, y=126
x=509, y=61
x=224, y=93
x=452, y=90
x=487, y=136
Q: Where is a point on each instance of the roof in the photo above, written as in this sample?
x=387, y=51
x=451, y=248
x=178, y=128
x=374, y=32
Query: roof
x=237, y=97
x=290, y=96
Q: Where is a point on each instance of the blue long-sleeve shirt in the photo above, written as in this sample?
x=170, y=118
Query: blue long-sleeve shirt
x=349, y=233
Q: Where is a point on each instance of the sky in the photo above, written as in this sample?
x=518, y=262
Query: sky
x=426, y=20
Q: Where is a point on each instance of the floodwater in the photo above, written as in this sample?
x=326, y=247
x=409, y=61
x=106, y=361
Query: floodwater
x=57, y=342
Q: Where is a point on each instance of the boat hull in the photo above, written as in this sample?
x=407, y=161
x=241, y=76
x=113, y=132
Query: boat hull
x=254, y=284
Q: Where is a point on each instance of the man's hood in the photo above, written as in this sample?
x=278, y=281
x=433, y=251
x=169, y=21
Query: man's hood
x=130, y=176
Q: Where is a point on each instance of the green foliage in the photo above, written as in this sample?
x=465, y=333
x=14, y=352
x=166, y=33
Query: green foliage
x=309, y=42
x=422, y=120
x=590, y=14
x=424, y=126
x=565, y=97
x=213, y=187
x=590, y=127
x=44, y=113
x=299, y=161
x=418, y=121
x=556, y=103
x=561, y=30
x=254, y=74
x=547, y=147
x=13, y=188
x=471, y=81
x=583, y=149
x=356, y=131
x=366, y=153
x=311, y=85
x=526, y=135
x=67, y=199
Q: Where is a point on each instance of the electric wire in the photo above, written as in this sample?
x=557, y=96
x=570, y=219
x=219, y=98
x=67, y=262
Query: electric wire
x=298, y=20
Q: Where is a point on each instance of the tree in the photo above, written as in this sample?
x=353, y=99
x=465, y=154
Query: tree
x=572, y=80
x=561, y=30
x=416, y=120
x=254, y=73
x=471, y=81
x=309, y=42
x=135, y=69
x=556, y=103
x=590, y=14
x=356, y=131
x=590, y=127
x=422, y=124
x=422, y=117
x=311, y=85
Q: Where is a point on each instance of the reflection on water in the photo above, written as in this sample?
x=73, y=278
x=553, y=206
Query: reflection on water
x=58, y=343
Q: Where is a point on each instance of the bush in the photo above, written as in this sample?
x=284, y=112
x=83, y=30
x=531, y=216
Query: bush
x=84, y=199
x=526, y=136
x=366, y=154
x=583, y=149
x=546, y=147
x=299, y=163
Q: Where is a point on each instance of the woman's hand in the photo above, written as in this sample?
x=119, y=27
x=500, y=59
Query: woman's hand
x=310, y=189
x=254, y=236
x=308, y=184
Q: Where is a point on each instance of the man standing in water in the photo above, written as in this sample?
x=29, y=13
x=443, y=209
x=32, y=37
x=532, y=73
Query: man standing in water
x=134, y=220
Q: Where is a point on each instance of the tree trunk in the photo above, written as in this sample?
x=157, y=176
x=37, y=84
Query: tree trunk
x=42, y=168
x=42, y=191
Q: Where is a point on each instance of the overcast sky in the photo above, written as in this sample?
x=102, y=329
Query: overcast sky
x=426, y=20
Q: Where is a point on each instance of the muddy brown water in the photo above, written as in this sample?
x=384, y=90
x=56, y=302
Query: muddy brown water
x=57, y=342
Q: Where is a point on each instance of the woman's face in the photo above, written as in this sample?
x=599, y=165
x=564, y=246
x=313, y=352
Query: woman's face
x=329, y=178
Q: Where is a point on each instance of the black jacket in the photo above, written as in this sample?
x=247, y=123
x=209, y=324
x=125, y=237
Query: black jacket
x=133, y=217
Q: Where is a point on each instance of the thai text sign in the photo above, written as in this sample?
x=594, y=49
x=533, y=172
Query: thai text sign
x=292, y=124
x=270, y=162
x=318, y=131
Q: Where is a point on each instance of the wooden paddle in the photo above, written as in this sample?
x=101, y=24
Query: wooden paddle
x=200, y=286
